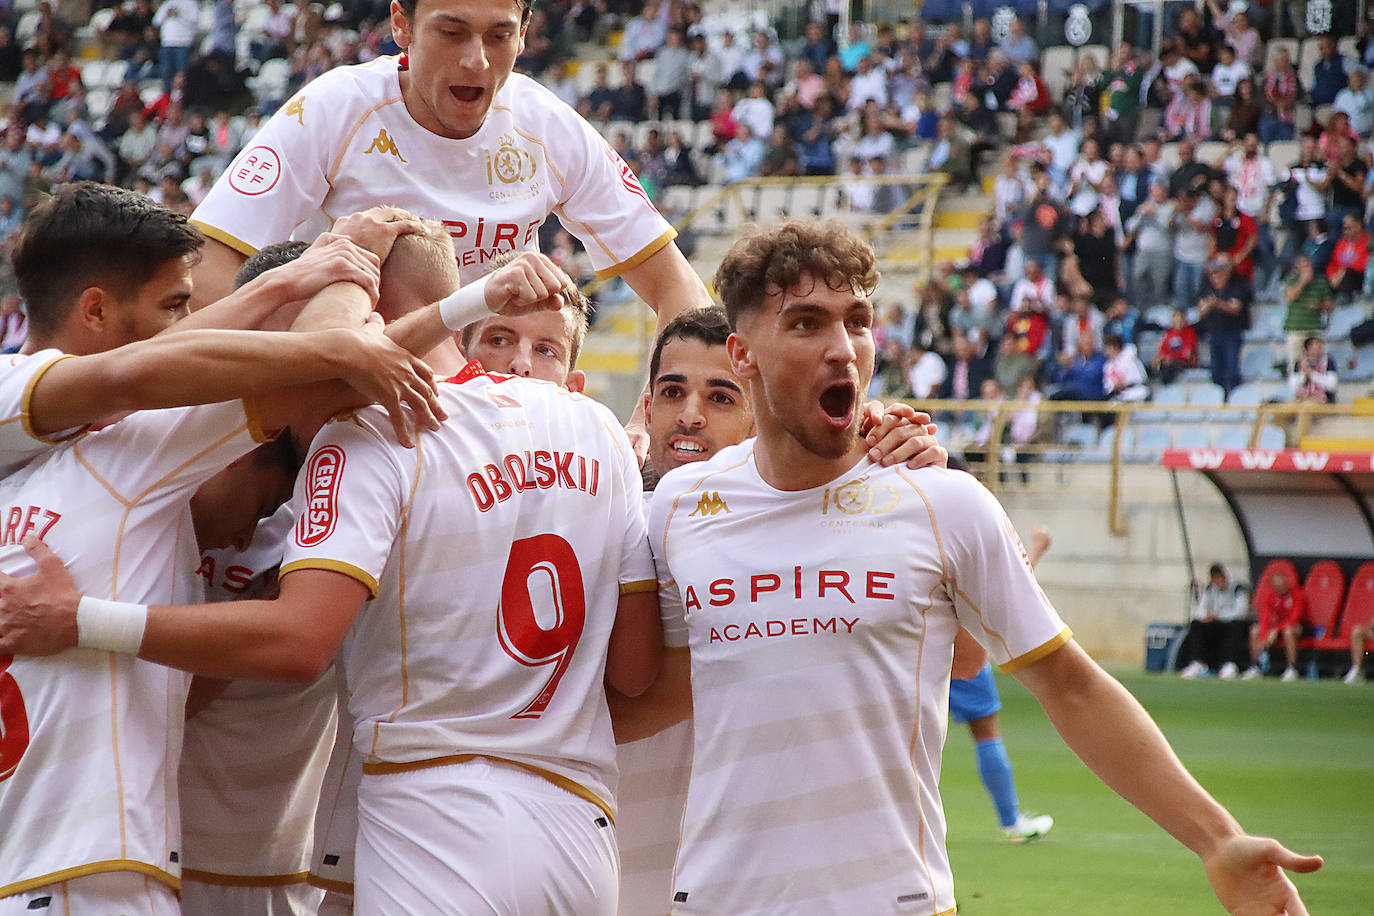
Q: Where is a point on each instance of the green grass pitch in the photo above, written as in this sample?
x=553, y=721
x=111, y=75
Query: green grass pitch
x=1294, y=761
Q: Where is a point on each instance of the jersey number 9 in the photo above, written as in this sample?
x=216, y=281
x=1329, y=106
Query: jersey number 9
x=544, y=566
x=14, y=721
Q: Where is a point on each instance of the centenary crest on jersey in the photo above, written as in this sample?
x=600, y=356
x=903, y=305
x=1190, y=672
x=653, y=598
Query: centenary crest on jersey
x=510, y=164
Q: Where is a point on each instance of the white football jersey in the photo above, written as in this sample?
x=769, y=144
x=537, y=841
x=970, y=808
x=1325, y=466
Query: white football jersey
x=92, y=787
x=346, y=142
x=821, y=624
x=497, y=551
x=336, y=816
x=19, y=444
x=253, y=758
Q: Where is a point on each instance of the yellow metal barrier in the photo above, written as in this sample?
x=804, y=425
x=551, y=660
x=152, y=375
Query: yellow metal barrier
x=1293, y=419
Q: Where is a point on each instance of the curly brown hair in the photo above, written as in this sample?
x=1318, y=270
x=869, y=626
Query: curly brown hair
x=769, y=261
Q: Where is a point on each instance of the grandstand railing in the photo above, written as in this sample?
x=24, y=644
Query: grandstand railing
x=1120, y=443
x=903, y=235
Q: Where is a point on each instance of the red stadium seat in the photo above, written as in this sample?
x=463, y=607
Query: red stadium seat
x=1359, y=604
x=1324, y=589
x=1262, y=589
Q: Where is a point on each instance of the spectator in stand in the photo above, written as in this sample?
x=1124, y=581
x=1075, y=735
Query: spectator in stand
x=11, y=56
x=1330, y=74
x=1218, y=632
x=868, y=82
x=1079, y=376
x=32, y=76
x=600, y=98
x=1018, y=45
x=951, y=154
x=1188, y=115
x=705, y=77
x=631, y=102
x=1239, y=34
x=980, y=42
x=1336, y=132
x=755, y=110
x=1123, y=375
x=855, y=49
x=806, y=85
x=1083, y=94
x=1199, y=40
x=1191, y=174
x=731, y=58
x=1079, y=318
x=1191, y=222
x=1045, y=225
x=780, y=161
x=1356, y=101
x=1223, y=317
x=1280, y=618
x=1245, y=112
x=818, y=47
x=10, y=218
x=1174, y=67
x=1121, y=320
x=1235, y=235
x=876, y=142
x=1345, y=182
x=925, y=370
x=176, y=24
x=1029, y=99
x=275, y=32
x=1313, y=376
x=672, y=64
x=1349, y=259
x=1309, y=303
x=1133, y=183
x=1227, y=76
x=815, y=132
x=1010, y=190
x=742, y=157
x=1123, y=95
x=1281, y=91
x=763, y=62
x=1302, y=200
x=679, y=169
x=127, y=32
x=966, y=370
x=724, y=127
x=1092, y=266
x=1062, y=146
x=988, y=256
x=14, y=322
x=645, y=33
x=1177, y=348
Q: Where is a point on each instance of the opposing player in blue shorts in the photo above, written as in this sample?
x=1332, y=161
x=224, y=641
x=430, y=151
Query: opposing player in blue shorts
x=975, y=701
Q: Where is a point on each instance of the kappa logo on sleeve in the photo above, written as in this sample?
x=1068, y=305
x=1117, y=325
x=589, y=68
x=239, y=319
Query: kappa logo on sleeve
x=256, y=172
x=321, y=496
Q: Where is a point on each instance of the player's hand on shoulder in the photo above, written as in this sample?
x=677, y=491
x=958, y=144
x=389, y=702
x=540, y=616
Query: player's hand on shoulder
x=38, y=612
x=391, y=376
x=331, y=258
x=901, y=433
x=530, y=283
x=378, y=228
x=1247, y=875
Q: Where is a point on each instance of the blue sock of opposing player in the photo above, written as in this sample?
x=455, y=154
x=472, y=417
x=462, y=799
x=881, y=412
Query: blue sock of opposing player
x=994, y=766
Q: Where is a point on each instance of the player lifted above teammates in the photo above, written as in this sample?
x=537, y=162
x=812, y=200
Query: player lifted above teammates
x=447, y=131
x=819, y=675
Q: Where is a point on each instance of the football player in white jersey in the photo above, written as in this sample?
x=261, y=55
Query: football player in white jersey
x=446, y=131
x=86, y=793
x=819, y=674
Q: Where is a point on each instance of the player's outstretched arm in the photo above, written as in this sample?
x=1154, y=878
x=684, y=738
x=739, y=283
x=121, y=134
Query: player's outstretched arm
x=901, y=433
x=1110, y=731
x=667, y=282
x=330, y=259
x=290, y=638
x=529, y=283
x=667, y=701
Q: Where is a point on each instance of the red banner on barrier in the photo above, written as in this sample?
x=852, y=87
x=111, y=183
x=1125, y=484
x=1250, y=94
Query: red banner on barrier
x=1259, y=459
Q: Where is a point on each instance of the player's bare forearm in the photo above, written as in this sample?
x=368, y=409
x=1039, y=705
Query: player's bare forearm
x=969, y=656
x=1111, y=733
x=636, y=644
x=338, y=305
x=212, y=278
x=667, y=282
x=293, y=637
x=667, y=701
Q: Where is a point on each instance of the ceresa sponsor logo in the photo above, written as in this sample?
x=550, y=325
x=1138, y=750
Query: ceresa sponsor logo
x=321, y=496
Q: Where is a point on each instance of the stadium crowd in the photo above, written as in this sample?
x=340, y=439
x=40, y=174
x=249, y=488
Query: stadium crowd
x=1105, y=213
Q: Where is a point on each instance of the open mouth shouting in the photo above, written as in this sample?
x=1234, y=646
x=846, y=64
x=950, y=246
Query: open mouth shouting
x=838, y=402
x=466, y=94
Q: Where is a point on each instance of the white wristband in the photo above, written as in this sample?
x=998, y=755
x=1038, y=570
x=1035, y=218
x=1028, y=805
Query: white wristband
x=114, y=626
x=468, y=304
